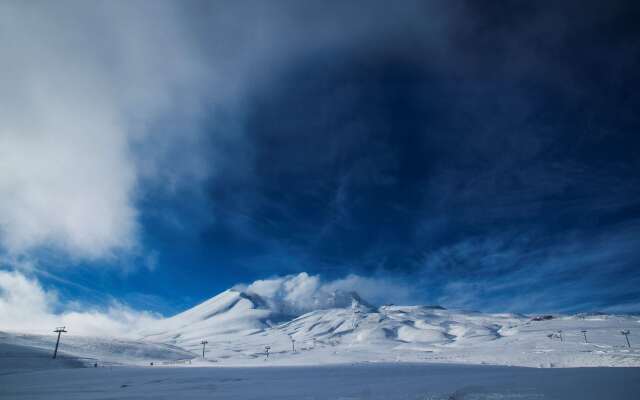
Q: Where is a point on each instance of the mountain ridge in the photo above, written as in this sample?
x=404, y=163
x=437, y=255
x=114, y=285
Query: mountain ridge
x=239, y=327
x=239, y=324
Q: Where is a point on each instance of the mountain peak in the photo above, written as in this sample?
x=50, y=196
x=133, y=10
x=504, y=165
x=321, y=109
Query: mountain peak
x=358, y=303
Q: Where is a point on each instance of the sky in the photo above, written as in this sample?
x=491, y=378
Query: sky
x=478, y=156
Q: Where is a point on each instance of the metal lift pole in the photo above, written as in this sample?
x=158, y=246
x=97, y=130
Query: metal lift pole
x=58, y=330
x=204, y=344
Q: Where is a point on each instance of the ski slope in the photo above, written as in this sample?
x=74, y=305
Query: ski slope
x=28, y=352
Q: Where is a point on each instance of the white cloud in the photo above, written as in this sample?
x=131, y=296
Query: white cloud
x=296, y=294
x=26, y=307
x=98, y=97
x=81, y=86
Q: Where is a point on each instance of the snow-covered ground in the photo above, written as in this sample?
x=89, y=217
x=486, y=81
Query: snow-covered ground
x=346, y=382
x=348, y=350
x=239, y=326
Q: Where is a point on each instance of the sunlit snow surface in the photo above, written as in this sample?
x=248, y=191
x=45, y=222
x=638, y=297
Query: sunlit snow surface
x=352, y=351
x=238, y=327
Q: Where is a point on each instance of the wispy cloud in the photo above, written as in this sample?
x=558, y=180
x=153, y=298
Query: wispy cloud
x=570, y=273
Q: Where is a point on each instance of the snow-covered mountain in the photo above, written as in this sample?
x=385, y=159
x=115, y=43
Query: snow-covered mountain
x=235, y=314
x=239, y=324
x=302, y=321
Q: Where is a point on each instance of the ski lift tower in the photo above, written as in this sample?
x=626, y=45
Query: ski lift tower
x=59, y=330
x=293, y=343
x=584, y=333
x=266, y=352
x=204, y=344
x=626, y=333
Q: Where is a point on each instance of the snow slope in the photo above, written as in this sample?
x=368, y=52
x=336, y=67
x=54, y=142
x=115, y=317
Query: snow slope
x=368, y=353
x=17, y=358
x=229, y=314
x=34, y=351
x=239, y=325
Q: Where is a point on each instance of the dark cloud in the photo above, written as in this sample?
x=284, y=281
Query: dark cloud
x=452, y=144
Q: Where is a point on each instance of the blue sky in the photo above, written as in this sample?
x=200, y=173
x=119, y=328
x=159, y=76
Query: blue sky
x=483, y=157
